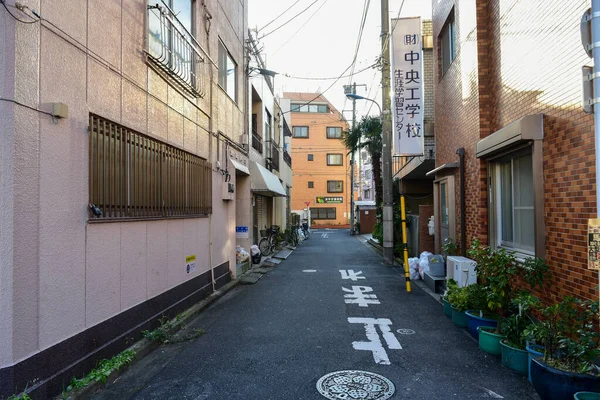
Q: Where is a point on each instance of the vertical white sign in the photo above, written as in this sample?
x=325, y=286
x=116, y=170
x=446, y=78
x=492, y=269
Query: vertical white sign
x=407, y=86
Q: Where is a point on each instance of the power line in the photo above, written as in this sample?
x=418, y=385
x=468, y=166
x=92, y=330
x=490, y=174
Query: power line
x=26, y=106
x=15, y=17
x=358, y=41
x=277, y=17
x=289, y=20
x=299, y=29
x=330, y=78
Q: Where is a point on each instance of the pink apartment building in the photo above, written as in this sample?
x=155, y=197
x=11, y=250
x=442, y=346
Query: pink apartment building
x=122, y=174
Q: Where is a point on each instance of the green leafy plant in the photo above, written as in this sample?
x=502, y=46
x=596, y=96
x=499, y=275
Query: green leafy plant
x=23, y=396
x=378, y=232
x=449, y=248
x=515, y=326
x=451, y=286
x=477, y=299
x=160, y=334
x=459, y=298
x=103, y=370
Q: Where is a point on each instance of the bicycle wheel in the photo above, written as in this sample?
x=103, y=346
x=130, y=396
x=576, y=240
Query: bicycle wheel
x=307, y=233
x=264, y=246
x=295, y=238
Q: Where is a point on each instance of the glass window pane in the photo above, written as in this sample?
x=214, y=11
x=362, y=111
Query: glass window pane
x=523, y=184
x=506, y=205
x=304, y=108
x=183, y=11
x=231, y=77
x=444, y=203
x=156, y=37
x=322, y=109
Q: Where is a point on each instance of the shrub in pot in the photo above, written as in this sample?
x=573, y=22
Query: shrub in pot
x=572, y=346
x=451, y=286
x=478, y=313
x=459, y=301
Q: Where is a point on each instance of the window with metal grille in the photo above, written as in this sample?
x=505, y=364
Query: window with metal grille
x=335, y=186
x=335, y=159
x=133, y=176
x=334, y=132
x=322, y=213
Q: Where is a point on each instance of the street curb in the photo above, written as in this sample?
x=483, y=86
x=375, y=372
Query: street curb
x=144, y=346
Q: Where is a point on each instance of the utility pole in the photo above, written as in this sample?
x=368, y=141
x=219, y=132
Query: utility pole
x=352, y=165
x=388, y=216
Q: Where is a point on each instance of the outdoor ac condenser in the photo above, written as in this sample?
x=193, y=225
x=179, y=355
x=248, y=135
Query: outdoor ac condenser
x=462, y=270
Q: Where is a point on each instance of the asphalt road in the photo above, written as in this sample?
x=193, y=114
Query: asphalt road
x=275, y=339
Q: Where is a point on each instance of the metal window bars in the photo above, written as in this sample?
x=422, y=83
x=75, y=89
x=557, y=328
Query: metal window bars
x=272, y=155
x=287, y=158
x=132, y=176
x=172, y=50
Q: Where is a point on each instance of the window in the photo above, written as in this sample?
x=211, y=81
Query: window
x=309, y=108
x=447, y=44
x=132, y=176
x=335, y=186
x=513, y=202
x=334, y=132
x=367, y=194
x=311, y=185
x=310, y=157
x=322, y=213
x=368, y=174
x=335, y=159
x=267, y=126
x=300, y=131
x=227, y=72
x=171, y=46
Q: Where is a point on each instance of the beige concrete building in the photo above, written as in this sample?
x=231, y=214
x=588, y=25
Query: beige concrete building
x=123, y=174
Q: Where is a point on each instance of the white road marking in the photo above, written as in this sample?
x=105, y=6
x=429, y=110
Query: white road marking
x=493, y=395
x=324, y=235
x=358, y=296
x=374, y=344
x=350, y=274
x=309, y=270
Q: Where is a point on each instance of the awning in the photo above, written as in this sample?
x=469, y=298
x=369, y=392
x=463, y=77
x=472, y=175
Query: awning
x=530, y=127
x=239, y=166
x=264, y=181
x=449, y=165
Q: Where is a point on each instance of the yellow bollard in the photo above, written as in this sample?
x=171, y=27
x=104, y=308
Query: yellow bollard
x=405, y=243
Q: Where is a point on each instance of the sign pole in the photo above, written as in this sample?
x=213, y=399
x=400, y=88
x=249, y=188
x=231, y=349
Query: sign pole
x=596, y=55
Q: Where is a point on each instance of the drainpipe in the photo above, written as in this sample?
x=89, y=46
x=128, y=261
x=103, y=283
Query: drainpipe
x=463, y=206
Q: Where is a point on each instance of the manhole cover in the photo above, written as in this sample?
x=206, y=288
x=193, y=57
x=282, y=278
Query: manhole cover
x=355, y=385
x=406, y=331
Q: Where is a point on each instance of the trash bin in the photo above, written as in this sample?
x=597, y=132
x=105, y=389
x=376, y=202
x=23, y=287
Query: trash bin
x=436, y=265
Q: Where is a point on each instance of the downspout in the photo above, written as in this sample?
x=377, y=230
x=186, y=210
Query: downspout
x=210, y=147
x=463, y=205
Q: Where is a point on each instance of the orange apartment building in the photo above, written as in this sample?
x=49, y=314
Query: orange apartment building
x=321, y=165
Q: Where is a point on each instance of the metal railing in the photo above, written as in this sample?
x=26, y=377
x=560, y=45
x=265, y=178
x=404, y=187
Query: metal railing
x=257, y=143
x=273, y=155
x=133, y=176
x=287, y=158
x=172, y=50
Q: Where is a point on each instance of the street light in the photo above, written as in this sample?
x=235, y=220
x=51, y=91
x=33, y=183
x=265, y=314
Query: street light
x=388, y=230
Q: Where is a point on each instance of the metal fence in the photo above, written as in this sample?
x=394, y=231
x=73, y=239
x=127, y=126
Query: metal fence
x=134, y=176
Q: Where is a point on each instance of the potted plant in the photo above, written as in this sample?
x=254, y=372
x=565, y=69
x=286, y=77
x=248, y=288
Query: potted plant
x=459, y=299
x=451, y=286
x=514, y=327
x=479, y=313
x=572, y=347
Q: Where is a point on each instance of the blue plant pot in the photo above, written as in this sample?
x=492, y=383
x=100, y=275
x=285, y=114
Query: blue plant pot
x=586, y=396
x=535, y=351
x=554, y=384
x=475, y=321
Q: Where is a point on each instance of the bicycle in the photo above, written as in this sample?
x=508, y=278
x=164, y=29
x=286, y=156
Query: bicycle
x=293, y=235
x=269, y=241
x=305, y=230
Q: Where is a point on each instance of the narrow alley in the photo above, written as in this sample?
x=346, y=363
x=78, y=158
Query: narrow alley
x=277, y=338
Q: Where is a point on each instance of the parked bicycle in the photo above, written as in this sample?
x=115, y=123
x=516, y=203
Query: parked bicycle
x=305, y=230
x=269, y=241
x=293, y=237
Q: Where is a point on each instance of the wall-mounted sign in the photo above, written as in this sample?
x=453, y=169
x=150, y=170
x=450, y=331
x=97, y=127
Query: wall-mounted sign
x=330, y=200
x=190, y=263
x=407, y=85
x=594, y=244
x=241, y=232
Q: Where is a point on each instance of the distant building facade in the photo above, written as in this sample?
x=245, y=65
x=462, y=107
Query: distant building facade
x=321, y=166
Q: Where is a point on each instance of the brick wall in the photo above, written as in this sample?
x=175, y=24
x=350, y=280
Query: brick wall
x=509, y=65
x=425, y=240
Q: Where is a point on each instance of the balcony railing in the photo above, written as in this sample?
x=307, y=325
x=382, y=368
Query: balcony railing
x=274, y=156
x=257, y=143
x=172, y=50
x=287, y=158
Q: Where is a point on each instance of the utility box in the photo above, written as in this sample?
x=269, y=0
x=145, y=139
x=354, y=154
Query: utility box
x=228, y=191
x=462, y=270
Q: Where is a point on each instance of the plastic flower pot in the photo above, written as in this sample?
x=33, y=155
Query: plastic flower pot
x=535, y=351
x=474, y=321
x=513, y=358
x=586, y=396
x=459, y=318
x=554, y=384
x=447, y=308
x=489, y=340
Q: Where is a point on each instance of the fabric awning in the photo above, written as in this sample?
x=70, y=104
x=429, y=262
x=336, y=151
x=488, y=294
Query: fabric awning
x=264, y=181
x=239, y=166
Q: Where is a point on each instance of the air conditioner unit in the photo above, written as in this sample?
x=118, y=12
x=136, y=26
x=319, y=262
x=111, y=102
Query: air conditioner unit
x=228, y=191
x=462, y=270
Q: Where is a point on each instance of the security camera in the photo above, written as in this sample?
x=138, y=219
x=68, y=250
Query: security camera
x=95, y=210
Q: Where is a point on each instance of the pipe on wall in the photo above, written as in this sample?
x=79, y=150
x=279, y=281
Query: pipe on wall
x=463, y=206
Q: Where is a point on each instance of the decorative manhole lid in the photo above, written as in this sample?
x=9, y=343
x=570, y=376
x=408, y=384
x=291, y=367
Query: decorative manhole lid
x=349, y=385
x=406, y=331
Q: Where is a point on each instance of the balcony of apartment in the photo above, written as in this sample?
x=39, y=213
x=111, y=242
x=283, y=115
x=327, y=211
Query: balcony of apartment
x=272, y=155
x=416, y=167
x=173, y=52
x=257, y=142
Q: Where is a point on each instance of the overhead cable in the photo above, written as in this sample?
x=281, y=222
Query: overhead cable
x=290, y=20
